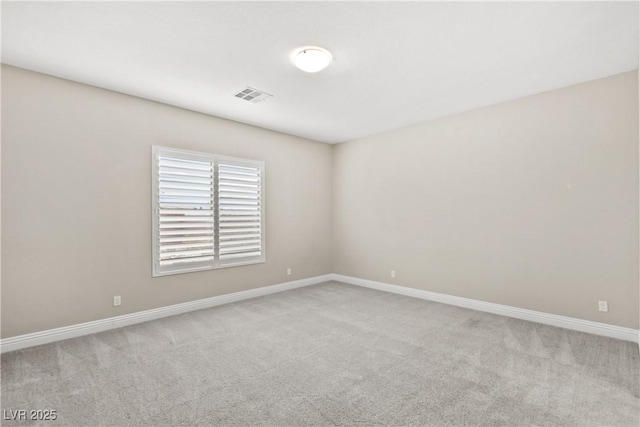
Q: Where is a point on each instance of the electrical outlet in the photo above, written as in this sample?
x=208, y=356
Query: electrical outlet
x=117, y=300
x=289, y=271
x=393, y=273
x=603, y=306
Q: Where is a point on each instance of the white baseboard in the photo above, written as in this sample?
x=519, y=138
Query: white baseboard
x=66, y=332
x=588, y=326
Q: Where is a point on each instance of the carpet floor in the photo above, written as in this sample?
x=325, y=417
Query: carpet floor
x=330, y=354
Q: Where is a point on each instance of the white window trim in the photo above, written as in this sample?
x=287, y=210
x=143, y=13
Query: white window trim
x=155, y=223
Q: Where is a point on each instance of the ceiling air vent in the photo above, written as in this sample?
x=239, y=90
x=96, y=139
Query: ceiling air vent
x=253, y=95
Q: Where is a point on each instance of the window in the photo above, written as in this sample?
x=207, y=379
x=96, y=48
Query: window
x=208, y=211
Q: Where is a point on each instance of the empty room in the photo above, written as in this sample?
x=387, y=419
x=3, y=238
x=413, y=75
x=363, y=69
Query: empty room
x=320, y=213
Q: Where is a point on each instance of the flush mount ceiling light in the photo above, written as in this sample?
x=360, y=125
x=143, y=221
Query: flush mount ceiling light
x=312, y=58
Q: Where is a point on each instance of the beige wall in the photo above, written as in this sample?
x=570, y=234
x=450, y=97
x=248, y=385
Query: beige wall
x=76, y=209
x=531, y=203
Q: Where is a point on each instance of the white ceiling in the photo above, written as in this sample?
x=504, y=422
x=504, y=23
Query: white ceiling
x=394, y=63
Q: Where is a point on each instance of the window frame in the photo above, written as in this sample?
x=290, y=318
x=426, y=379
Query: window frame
x=215, y=159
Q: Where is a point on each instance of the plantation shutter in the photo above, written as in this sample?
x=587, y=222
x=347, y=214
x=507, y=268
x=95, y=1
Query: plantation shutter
x=207, y=211
x=185, y=211
x=240, y=212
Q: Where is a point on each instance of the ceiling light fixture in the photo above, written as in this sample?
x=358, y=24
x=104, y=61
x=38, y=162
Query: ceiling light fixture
x=312, y=59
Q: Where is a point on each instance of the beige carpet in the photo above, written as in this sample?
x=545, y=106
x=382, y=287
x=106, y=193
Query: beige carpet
x=330, y=354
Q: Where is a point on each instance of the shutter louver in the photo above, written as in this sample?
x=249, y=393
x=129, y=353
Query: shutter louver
x=185, y=213
x=239, y=213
